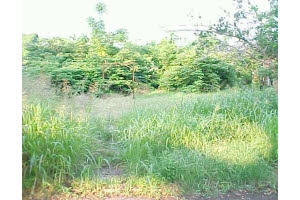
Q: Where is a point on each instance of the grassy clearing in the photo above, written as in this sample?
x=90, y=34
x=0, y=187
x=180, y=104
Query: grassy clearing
x=222, y=141
x=167, y=144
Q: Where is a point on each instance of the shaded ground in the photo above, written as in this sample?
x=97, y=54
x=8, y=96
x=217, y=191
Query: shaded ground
x=229, y=196
x=110, y=173
x=240, y=195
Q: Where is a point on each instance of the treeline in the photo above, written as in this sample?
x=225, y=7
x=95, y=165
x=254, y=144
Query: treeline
x=108, y=62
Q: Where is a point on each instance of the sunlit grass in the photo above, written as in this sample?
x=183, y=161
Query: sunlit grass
x=166, y=143
x=55, y=146
x=223, y=141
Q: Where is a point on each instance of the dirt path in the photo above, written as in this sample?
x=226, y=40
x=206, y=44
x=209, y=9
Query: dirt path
x=238, y=195
x=228, y=196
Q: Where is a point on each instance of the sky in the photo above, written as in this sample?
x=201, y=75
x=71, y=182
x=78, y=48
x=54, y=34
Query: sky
x=143, y=19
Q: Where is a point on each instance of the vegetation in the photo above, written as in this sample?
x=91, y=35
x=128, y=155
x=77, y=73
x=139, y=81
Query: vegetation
x=204, y=126
x=218, y=142
x=107, y=62
x=205, y=143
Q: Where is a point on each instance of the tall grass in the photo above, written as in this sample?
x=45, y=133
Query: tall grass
x=58, y=144
x=200, y=142
x=222, y=141
x=56, y=147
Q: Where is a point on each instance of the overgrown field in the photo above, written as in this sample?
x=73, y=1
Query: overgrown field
x=158, y=145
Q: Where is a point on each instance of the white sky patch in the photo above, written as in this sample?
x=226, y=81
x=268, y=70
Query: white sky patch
x=50, y=18
x=143, y=19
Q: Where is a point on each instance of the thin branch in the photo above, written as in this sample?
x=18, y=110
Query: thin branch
x=214, y=31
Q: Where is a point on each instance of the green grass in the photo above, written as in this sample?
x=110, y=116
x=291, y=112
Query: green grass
x=204, y=143
x=222, y=141
x=55, y=146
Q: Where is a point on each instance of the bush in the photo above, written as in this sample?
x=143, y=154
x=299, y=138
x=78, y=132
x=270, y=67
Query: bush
x=203, y=76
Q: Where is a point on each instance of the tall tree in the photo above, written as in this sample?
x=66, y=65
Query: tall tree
x=253, y=34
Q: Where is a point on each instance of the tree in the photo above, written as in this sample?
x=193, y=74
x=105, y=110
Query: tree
x=249, y=37
x=165, y=52
x=27, y=39
x=257, y=34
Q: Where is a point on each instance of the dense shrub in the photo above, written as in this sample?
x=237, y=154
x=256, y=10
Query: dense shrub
x=203, y=76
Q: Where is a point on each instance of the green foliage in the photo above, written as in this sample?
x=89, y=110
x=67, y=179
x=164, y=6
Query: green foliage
x=267, y=31
x=79, y=80
x=204, y=76
x=207, y=64
x=27, y=39
x=186, y=55
x=165, y=51
x=253, y=36
x=217, y=74
x=182, y=78
x=77, y=64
